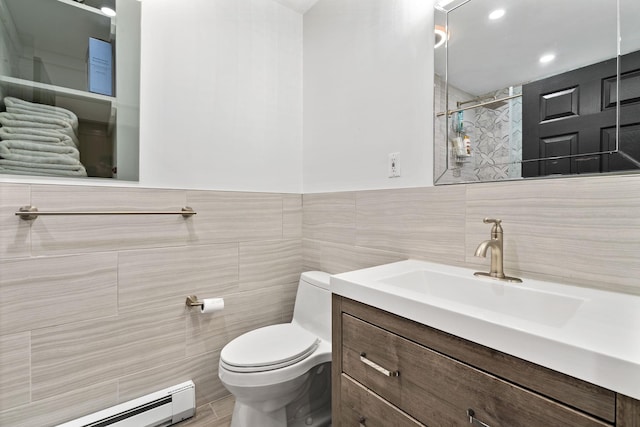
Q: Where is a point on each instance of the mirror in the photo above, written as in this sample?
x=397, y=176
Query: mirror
x=69, y=88
x=530, y=89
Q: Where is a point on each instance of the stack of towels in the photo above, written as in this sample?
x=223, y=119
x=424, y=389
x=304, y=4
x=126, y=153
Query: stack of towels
x=38, y=139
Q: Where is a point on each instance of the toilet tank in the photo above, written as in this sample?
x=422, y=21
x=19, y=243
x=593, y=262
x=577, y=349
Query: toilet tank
x=312, y=309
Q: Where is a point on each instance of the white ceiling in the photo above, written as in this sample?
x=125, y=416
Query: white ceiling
x=300, y=6
x=488, y=55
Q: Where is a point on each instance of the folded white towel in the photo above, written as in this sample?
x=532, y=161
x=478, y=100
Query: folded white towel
x=38, y=158
x=49, y=166
x=35, y=135
x=10, y=101
x=52, y=152
x=52, y=114
x=40, y=171
x=37, y=122
x=39, y=139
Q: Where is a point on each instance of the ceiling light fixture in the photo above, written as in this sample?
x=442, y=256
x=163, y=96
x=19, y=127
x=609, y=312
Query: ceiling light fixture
x=496, y=14
x=108, y=11
x=547, y=58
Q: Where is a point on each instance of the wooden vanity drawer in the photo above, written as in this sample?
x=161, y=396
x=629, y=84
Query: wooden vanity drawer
x=362, y=408
x=438, y=390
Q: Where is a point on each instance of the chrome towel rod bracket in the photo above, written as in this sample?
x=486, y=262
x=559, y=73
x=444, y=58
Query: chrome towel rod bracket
x=29, y=213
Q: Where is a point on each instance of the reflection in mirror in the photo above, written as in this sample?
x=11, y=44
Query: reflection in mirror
x=69, y=99
x=529, y=89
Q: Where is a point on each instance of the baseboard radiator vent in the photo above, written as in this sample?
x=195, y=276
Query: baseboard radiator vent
x=162, y=408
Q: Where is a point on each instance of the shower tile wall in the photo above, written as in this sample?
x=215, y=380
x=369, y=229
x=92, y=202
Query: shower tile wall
x=460, y=169
x=498, y=133
x=496, y=138
x=92, y=308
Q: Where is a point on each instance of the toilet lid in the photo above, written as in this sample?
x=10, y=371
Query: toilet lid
x=268, y=348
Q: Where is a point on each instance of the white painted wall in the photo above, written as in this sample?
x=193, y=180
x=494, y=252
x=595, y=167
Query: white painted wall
x=368, y=91
x=221, y=95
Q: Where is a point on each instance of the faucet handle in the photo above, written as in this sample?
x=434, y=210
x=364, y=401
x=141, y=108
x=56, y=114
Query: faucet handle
x=492, y=221
x=497, y=228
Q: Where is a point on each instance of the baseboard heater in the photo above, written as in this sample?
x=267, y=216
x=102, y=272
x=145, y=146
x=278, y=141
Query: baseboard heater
x=162, y=408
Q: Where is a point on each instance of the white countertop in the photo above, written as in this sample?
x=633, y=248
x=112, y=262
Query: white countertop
x=596, y=337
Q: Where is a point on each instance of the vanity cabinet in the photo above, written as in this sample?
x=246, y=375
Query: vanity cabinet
x=390, y=371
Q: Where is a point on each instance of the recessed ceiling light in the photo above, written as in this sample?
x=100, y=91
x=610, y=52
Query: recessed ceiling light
x=108, y=11
x=547, y=58
x=496, y=14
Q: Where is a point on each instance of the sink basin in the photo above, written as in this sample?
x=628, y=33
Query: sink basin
x=488, y=295
x=587, y=333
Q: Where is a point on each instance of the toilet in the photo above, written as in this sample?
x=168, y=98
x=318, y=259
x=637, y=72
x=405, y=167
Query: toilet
x=280, y=375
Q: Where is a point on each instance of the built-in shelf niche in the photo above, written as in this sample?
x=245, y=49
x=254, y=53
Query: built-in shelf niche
x=43, y=59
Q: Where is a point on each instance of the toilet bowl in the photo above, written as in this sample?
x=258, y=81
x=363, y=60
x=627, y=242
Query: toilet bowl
x=280, y=374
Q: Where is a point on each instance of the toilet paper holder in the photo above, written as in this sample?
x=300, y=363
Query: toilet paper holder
x=192, y=301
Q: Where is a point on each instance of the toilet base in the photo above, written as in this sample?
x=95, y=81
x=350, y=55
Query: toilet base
x=318, y=418
x=313, y=409
x=308, y=404
x=244, y=415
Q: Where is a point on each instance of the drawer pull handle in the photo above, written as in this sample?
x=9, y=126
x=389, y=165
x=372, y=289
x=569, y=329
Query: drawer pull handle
x=362, y=421
x=473, y=420
x=374, y=365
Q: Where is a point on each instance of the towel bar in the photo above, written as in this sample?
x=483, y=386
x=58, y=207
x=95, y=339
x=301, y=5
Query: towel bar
x=29, y=213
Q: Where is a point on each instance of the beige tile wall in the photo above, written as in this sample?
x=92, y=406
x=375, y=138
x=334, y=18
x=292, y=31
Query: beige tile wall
x=92, y=308
x=583, y=230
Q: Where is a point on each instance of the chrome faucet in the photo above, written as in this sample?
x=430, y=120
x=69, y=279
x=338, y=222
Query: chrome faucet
x=496, y=244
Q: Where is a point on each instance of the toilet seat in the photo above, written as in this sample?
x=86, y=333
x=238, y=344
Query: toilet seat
x=268, y=348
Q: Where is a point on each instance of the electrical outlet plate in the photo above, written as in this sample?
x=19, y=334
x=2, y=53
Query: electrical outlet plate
x=394, y=165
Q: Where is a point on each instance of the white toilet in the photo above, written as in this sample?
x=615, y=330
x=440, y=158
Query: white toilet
x=280, y=375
